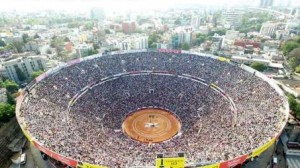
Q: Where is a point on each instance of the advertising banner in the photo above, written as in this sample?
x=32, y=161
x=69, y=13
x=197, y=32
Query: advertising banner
x=260, y=150
x=233, y=162
x=87, y=165
x=177, y=162
x=223, y=59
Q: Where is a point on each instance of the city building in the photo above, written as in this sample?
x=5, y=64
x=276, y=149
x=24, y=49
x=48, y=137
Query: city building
x=3, y=96
x=98, y=14
x=268, y=29
x=82, y=50
x=127, y=42
x=217, y=41
x=232, y=34
x=26, y=65
x=244, y=42
x=266, y=3
x=181, y=35
x=128, y=27
x=231, y=18
x=195, y=21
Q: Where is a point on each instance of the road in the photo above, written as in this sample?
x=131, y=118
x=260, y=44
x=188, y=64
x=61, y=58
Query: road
x=33, y=158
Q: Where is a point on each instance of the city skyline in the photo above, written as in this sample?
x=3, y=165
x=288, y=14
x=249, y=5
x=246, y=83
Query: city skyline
x=136, y=5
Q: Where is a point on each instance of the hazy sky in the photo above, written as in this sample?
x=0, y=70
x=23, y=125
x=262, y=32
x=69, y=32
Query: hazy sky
x=83, y=5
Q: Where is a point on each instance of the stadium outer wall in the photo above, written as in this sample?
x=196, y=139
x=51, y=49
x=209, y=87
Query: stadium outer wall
x=76, y=163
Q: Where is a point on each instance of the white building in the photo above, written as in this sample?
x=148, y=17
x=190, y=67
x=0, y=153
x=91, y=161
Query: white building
x=82, y=50
x=128, y=42
x=268, y=29
x=195, y=22
x=27, y=65
x=232, y=18
x=184, y=35
x=140, y=42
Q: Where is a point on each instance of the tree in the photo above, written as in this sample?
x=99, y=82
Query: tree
x=10, y=99
x=7, y=111
x=49, y=51
x=294, y=105
x=89, y=25
x=36, y=74
x=25, y=38
x=107, y=31
x=20, y=74
x=17, y=46
x=258, y=66
x=289, y=46
x=177, y=22
x=92, y=52
x=10, y=86
x=200, y=38
x=153, y=38
x=66, y=39
x=36, y=36
x=294, y=58
x=2, y=43
x=185, y=46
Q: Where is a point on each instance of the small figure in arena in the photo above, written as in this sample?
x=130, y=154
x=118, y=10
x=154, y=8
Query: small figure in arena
x=27, y=91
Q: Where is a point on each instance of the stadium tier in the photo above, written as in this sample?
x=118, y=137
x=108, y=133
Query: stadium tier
x=122, y=109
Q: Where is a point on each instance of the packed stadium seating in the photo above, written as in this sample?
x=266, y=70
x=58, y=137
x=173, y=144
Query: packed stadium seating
x=85, y=124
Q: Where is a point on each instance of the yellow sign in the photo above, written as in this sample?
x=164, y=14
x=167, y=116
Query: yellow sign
x=87, y=165
x=210, y=166
x=178, y=162
x=260, y=150
x=223, y=59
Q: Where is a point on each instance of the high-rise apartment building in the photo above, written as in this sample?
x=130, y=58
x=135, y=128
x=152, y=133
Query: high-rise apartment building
x=266, y=3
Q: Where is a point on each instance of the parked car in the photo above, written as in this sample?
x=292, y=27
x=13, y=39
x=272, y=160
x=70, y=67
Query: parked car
x=23, y=159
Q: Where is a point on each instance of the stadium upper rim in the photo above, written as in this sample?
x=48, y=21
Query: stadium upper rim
x=77, y=163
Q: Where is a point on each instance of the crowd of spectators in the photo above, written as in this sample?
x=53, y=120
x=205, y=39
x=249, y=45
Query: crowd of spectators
x=89, y=129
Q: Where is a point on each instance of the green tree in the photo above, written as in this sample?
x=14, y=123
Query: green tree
x=66, y=39
x=177, y=22
x=185, y=46
x=49, y=51
x=7, y=111
x=36, y=74
x=294, y=105
x=2, y=43
x=20, y=74
x=25, y=38
x=89, y=25
x=10, y=99
x=258, y=66
x=10, y=86
x=107, y=31
x=289, y=46
x=293, y=58
x=17, y=46
x=36, y=36
x=153, y=39
x=92, y=52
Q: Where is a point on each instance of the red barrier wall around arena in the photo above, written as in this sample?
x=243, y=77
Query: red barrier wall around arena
x=75, y=61
x=54, y=155
x=234, y=162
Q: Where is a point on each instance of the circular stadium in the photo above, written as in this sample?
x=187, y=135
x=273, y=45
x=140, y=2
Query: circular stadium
x=122, y=109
